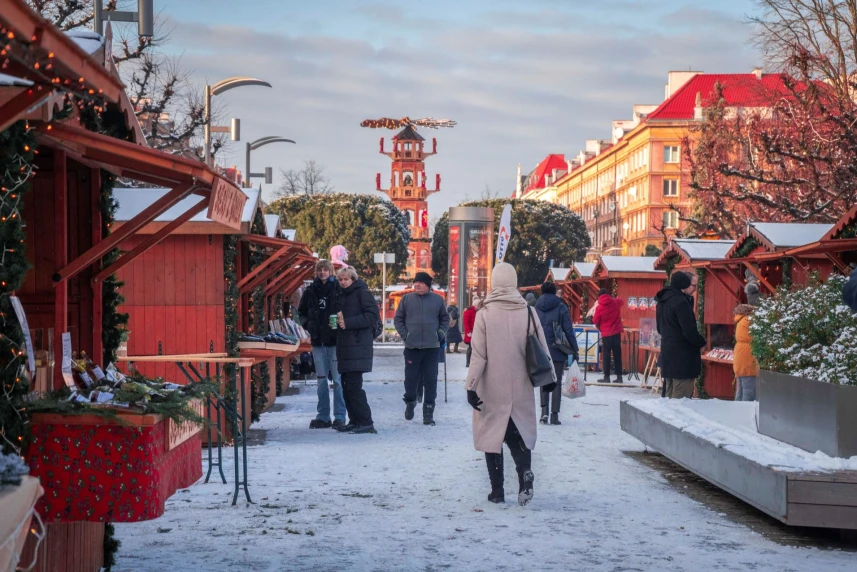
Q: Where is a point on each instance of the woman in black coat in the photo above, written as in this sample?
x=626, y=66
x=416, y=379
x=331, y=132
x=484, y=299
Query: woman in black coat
x=357, y=317
x=453, y=336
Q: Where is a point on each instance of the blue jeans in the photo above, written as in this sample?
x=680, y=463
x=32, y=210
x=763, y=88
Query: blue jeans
x=745, y=389
x=325, y=360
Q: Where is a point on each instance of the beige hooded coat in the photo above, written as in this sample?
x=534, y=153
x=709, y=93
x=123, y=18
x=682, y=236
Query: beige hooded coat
x=498, y=370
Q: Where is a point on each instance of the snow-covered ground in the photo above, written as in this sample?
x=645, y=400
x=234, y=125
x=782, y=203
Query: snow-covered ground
x=414, y=498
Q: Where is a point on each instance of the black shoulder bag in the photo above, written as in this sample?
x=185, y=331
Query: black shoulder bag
x=539, y=364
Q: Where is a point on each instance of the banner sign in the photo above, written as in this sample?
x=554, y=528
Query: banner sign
x=504, y=235
x=28, y=341
x=226, y=204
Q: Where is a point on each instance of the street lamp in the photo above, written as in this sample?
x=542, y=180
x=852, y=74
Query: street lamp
x=235, y=129
x=384, y=258
x=268, y=174
x=144, y=16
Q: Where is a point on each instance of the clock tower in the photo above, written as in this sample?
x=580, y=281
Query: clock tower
x=409, y=193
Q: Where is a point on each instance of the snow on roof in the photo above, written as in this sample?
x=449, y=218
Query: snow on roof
x=86, y=40
x=630, y=263
x=133, y=201
x=289, y=233
x=788, y=234
x=10, y=80
x=559, y=273
x=584, y=269
x=272, y=224
x=704, y=249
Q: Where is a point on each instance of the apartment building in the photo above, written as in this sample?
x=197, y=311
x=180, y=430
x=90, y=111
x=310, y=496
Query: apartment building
x=632, y=190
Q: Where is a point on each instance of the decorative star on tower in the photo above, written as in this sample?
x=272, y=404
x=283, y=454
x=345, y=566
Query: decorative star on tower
x=388, y=123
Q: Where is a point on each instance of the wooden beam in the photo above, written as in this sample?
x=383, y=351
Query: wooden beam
x=266, y=273
x=152, y=240
x=12, y=110
x=297, y=268
x=60, y=259
x=97, y=290
x=95, y=253
x=265, y=264
x=837, y=262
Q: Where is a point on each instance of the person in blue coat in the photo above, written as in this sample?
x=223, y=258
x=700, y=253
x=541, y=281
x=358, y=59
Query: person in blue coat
x=551, y=309
x=849, y=293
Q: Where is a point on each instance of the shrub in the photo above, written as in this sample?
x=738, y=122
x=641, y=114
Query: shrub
x=807, y=332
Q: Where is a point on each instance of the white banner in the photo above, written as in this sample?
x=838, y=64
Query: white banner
x=28, y=341
x=504, y=235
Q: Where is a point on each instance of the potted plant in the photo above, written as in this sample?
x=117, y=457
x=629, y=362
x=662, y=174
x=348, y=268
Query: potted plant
x=806, y=342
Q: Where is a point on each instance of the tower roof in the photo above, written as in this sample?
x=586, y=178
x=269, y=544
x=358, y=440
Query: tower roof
x=408, y=134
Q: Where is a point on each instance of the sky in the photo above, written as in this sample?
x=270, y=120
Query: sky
x=522, y=79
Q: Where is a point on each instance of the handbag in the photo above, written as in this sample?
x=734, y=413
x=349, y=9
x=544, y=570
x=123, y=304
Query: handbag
x=560, y=339
x=539, y=364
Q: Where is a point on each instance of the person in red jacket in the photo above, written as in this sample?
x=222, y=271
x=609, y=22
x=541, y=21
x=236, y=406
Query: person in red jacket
x=469, y=319
x=608, y=319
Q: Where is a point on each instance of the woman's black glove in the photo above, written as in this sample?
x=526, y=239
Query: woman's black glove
x=473, y=400
x=549, y=387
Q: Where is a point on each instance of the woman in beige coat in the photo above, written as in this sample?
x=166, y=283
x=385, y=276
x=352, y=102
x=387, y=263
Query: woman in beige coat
x=498, y=386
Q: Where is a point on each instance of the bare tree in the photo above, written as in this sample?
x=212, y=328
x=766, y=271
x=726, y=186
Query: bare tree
x=488, y=193
x=310, y=180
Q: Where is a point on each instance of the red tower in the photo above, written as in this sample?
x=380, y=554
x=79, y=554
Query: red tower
x=409, y=193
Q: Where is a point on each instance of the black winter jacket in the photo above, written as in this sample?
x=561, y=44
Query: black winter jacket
x=849, y=293
x=354, y=343
x=453, y=335
x=319, y=301
x=680, y=338
x=550, y=309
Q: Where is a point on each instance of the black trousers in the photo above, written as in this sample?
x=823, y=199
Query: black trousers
x=421, y=369
x=522, y=456
x=612, y=345
x=355, y=398
x=556, y=395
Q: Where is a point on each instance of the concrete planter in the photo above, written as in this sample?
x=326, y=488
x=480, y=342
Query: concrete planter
x=812, y=415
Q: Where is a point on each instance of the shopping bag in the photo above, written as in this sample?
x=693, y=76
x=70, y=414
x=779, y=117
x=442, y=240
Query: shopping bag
x=574, y=386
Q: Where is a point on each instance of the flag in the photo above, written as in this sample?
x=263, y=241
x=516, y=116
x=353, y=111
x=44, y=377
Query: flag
x=504, y=235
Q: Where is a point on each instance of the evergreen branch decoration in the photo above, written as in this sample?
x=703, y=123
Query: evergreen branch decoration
x=262, y=376
x=751, y=244
x=700, y=325
x=230, y=303
x=787, y=272
x=17, y=155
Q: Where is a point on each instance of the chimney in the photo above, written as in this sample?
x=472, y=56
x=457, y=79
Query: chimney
x=697, y=110
x=757, y=72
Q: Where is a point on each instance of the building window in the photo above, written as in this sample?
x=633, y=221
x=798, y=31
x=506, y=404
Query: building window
x=671, y=154
x=670, y=219
x=670, y=187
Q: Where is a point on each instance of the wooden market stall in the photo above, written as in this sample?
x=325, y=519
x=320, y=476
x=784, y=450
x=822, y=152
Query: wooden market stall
x=720, y=291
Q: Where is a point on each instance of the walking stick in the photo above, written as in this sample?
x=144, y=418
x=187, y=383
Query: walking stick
x=444, y=382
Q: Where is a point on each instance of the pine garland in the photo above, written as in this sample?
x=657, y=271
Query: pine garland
x=671, y=264
x=17, y=154
x=280, y=362
x=111, y=546
x=230, y=302
x=749, y=246
x=700, y=325
x=787, y=272
x=261, y=377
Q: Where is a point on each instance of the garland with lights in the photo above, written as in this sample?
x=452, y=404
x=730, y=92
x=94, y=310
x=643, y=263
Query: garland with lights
x=614, y=288
x=700, y=325
x=280, y=362
x=261, y=376
x=230, y=302
x=749, y=246
x=17, y=154
x=787, y=272
x=671, y=264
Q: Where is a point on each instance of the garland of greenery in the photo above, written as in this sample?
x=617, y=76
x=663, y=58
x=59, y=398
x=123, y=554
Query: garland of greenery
x=751, y=244
x=671, y=264
x=614, y=288
x=261, y=375
x=700, y=325
x=230, y=303
x=111, y=546
x=850, y=231
x=280, y=362
x=17, y=154
x=787, y=272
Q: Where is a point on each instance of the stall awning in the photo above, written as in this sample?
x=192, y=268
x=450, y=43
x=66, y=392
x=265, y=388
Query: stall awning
x=287, y=266
x=40, y=53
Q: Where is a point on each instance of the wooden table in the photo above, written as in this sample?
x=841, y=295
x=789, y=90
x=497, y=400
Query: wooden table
x=652, y=369
x=229, y=404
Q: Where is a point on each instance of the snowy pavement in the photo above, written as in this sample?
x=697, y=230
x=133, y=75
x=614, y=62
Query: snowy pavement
x=414, y=498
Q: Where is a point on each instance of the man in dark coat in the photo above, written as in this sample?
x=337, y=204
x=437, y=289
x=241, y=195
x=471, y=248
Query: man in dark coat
x=849, y=293
x=356, y=319
x=453, y=336
x=422, y=322
x=681, y=341
x=551, y=310
x=319, y=301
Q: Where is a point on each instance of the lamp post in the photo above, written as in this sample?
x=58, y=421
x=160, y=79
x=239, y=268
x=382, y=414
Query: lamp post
x=252, y=147
x=144, y=16
x=217, y=89
x=384, y=258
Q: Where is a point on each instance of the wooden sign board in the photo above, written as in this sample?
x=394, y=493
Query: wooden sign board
x=178, y=434
x=226, y=204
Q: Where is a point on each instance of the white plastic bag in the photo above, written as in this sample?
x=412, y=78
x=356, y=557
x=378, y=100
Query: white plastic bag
x=574, y=386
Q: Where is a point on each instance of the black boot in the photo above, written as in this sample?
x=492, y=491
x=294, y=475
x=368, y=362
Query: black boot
x=555, y=419
x=525, y=486
x=495, y=475
x=544, y=417
x=409, y=409
x=428, y=413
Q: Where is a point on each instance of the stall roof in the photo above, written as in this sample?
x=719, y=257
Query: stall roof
x=133, y=201
x=694, y=250
x=584, y=269
x=628, y=263
x=787, y=234
x=272, y=225
x=558, y=273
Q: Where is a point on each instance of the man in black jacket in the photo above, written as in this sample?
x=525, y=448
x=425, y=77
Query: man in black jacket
x=320, y=301
x=551, y=310
x=681, y=341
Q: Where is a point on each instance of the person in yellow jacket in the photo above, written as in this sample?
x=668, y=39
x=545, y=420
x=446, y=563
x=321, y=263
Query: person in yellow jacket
x=744, y=365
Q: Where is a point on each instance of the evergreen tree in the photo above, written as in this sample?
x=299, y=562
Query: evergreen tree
x=363, y=224
x=541, y=232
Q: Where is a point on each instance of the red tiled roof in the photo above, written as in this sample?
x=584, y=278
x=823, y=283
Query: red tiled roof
x=546, y=167
x=739, y=90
